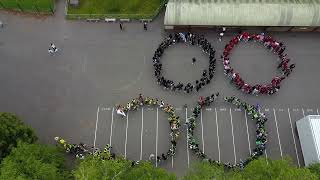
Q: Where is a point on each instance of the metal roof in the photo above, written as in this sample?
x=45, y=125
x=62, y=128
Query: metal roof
x=243, y=12
x=315, y=126
x=309, y=136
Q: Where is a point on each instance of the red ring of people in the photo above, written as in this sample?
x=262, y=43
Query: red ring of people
x=272, y=45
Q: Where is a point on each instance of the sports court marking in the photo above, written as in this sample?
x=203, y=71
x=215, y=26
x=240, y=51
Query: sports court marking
x=245, y=115
x=202, y=132
x=275, y=119
x=215, y=109
x=126, y=141
x=187, y=139
x=111, y=129
x=294, y=141
x=95, y=131
x=141, y=134
x=234, y=147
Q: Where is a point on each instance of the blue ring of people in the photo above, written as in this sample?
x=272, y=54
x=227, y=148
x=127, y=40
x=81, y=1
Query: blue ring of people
x=192, y=39
x=81, y=150
x=173, y=119
x=272, y=45
x=254, y=114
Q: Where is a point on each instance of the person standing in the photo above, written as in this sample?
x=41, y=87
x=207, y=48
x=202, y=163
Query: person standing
x=193, y=61
x=121, y=26
x=145, y=26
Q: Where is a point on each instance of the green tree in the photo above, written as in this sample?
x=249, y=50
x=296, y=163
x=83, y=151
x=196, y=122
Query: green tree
x=146, y=171
x=94, y=168
x=315, y=168
x=276, y=169
x=12, y=130
x=34, y=161
x=204, y=170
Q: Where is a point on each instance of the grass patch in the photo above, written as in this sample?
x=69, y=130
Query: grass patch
x=118, y=8
x=28, y=5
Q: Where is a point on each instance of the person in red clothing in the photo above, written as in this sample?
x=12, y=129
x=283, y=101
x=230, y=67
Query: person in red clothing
x=201, y=101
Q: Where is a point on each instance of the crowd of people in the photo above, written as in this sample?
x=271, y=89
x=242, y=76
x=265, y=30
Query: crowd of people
x=173, y=119
x=81, y=150
x=192, y=39
x=274, y=46
x=254, y=114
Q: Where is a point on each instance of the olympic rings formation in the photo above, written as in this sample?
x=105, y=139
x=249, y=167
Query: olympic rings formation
x=255, y=115
x=272, y=45
x=192, y=39
x=173, y=119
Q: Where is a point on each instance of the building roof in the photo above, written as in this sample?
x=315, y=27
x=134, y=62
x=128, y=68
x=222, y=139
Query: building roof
x=243, y=12
x=315, y=126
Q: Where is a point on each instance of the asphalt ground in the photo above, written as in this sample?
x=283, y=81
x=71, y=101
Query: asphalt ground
x=73, y=93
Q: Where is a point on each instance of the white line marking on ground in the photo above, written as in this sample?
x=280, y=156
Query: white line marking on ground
x=202, y=132
x=215, y=109
x=294, y=141
x=303, y=112
x=245, y=115
x=157, y=131
x=317, y=111
x=110, y=140
x=234, y=146
x=187, y=139
x=141, y=134
x=275, y=119
x=95, y=131
x=265, y=152
x=171, y=158
x=126, y=141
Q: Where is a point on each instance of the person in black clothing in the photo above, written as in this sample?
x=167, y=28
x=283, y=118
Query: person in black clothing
x=121, y=26
x=193, y=61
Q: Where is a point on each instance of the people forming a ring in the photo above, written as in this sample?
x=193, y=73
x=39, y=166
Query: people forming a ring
x=173, y=119
x=192, y=39
x=253, y=112
x=272, y=45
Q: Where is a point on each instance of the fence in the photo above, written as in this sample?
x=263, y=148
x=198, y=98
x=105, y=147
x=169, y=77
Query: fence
x=117, y=16
x=33, y=6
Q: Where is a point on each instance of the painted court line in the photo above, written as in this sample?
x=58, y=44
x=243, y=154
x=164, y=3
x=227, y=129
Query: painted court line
x=187, y=140
x=110, y=140
x=202, y=132
x=215, y=109
x=234, y=146
x=265, y=152
x=245, y=115
x=294, y=141
x=95, y=131
x=171, y=158
x=275, y=119
x=157, y=131
x=141, y=134
x=126, y=141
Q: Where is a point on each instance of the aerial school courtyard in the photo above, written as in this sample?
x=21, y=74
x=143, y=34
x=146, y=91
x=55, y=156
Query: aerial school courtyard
x=74, y=93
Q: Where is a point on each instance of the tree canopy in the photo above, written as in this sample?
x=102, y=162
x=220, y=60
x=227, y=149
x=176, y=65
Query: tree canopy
x=276, y=169
x=145, y=171
x=95, y=168
x=34, y=161
x=315, y=168
x=257, y=169
x=119, y=168
x=12, y=130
